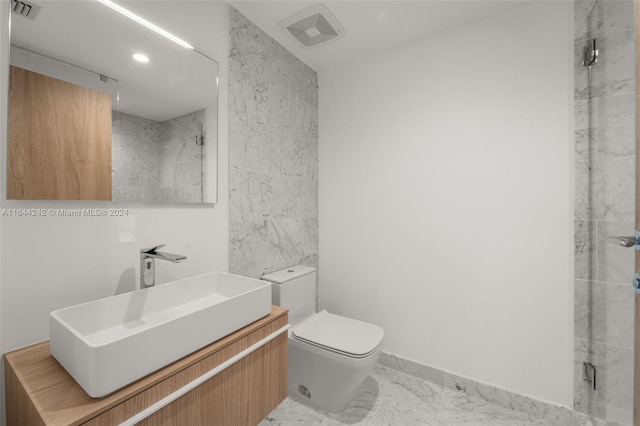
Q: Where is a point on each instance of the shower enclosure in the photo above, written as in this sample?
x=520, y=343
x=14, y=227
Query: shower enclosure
x=605, y=210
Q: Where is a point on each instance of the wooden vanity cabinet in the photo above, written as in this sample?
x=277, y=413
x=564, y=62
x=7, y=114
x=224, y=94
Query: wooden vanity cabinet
x=39, y=391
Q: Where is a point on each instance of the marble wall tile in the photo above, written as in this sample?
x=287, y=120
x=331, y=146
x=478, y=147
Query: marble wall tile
x=604, y=189
x=291, y=238
x=613, y=189
x=136, y=157
x=249, y=204
x=585, y=250
x=586, y=19
x=251, y=149
x=160, y=159
x=615, y=126
x=613, y=74
x=583, y=181
x=273, y=153
x=249, y=247
x=181, y=158
x=584, y=351
x=615, y=71
x=614, y=16
x=412, y=368
x=553, y=414
x=604, y=313
x=615, y=264
x=612, y=399
x=583, y=321
x=583, y=76
x=549, y=413
x=615, y=376
x=585, y=116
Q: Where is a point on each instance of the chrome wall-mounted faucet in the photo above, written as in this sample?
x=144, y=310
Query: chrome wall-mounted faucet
x=148, y=265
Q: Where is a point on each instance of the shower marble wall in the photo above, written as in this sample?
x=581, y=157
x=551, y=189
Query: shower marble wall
x=182, y=160
x=135, y=157
x=158, y=161
x=604, y=206
x=273, y=154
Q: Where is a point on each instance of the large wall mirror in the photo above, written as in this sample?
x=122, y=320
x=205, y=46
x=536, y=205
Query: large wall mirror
x=88, y=121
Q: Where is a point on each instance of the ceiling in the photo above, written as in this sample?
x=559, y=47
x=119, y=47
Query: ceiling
x=89, y=35
x=370, y=26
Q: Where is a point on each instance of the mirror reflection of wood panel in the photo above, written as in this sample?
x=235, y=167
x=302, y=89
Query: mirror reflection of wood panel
x=59, y=145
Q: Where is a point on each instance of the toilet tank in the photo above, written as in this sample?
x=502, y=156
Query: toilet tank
x=295, y=289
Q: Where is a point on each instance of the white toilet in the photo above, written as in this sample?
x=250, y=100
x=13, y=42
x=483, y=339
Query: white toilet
x=330, y=356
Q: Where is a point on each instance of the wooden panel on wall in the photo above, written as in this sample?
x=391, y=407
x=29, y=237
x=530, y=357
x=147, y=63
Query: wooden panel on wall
x=59, y=142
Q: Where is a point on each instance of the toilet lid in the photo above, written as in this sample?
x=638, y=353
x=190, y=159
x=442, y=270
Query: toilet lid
x=341, y=334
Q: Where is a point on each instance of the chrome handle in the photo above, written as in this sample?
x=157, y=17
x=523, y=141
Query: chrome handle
x=625, y=241
x=629, y=241
x=152, y=249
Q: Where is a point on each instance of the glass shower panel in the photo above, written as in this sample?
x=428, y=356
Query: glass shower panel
x=604, y=102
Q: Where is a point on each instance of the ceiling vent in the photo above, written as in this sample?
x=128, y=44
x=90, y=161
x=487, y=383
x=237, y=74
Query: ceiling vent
x=313, y=26
x=24, y=9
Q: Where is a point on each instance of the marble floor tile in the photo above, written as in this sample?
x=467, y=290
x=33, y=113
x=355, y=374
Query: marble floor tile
x=584, y=420
x=459, y=409
x=390, y=398
x=288, y=413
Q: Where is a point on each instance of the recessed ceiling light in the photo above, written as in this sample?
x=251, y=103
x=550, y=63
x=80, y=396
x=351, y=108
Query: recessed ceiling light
x=140, y=57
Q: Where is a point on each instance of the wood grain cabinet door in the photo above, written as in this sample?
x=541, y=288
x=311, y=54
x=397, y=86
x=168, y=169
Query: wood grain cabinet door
x=241, y=395
x=39, y=391
x=59, y=143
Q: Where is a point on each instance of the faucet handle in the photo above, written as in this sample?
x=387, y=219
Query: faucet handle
x=152, y=249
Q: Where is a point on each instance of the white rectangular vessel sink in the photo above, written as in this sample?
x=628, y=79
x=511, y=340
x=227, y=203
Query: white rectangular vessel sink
x=109, y=343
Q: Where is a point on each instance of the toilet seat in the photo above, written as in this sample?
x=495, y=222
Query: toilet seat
x=346, y=336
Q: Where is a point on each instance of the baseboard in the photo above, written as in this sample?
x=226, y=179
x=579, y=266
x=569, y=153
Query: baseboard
x=554, y=414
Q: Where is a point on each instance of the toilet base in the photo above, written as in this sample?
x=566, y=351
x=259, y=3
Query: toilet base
x=324, y=379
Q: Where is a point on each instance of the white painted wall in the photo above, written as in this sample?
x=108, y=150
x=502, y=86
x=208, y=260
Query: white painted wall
x=445, y=199
x=53, y=262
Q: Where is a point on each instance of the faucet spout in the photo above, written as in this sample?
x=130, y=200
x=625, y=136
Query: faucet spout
x=175, y=258
x=148, y=267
